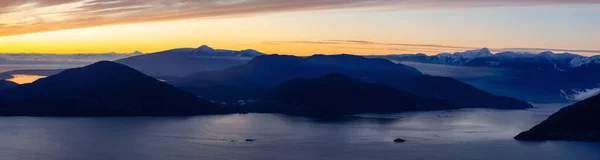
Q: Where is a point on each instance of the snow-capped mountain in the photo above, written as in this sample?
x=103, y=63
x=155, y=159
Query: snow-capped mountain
x=544, y=77
x=581, y=61
x=457, y=58
x=544, y=61
x=484, y=52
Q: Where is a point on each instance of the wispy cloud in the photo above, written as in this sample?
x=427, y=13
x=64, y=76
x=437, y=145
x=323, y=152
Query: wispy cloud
x=549, y=49
x=29, y=16
x=579, y=95
x=401, y=48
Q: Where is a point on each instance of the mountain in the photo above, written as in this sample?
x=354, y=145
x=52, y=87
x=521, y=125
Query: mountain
x=264, y=72
x=101, y=89
x=268, y=71
x=272, y=70
x=456, y=58
x=544, y=61
x=7, y=84
x=337, y=94
x=452, y=91
x=577, y=122
x=185, y=61
x=546, y=77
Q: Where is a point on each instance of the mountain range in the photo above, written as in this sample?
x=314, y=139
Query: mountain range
x=112, y=89
x=165, y=65
x=250, y=80
x=545, y=77
x=544, y=61
x=539, y=78
x=318, y=85
x=175, y=63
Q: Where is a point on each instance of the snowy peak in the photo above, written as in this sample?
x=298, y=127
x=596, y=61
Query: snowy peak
x=581, y=61
x=544, y=61
x=484, y=52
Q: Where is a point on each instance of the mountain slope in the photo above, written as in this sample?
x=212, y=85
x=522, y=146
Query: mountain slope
x=544, y=61
x=577, y=122
x=101, y=89
x=7, y=84
x=543, y=78
x=272, y=70
x=185, y=61
x=453, y=91
x=269, y=71
x=337, y=94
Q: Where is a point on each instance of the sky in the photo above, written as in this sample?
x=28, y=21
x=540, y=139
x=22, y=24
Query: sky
x=300, y=27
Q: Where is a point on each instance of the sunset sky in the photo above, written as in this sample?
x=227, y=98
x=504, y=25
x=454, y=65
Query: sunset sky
x=300, y=27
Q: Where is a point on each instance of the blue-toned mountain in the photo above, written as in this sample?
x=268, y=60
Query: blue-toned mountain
x=543, y=77
x=250, y=80
x=101, y=89
x=175, y=63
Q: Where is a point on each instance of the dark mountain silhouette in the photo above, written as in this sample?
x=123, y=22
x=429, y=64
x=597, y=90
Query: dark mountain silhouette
x=271, y=70
x=268, y=71
x=577, y=122
x=176, y=63
x=101, y=89
x=7, y=84
x=337, y=94
x=453, y=91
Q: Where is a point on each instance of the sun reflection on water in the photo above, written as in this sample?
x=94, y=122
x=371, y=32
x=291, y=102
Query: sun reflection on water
x=24, y=79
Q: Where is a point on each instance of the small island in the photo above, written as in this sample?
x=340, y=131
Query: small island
x=399, y=140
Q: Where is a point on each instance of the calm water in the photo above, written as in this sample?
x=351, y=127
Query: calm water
x=25, y=78
x=460, y=134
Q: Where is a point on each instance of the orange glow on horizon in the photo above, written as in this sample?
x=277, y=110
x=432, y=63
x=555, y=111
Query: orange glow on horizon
x=299, y=33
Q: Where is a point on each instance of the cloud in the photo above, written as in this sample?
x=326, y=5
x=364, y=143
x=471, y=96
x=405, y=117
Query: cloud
x=382, y=45
x=420, y=48
x=548, y=49
x=89, y=13
x=376, y=46
x=579, y=95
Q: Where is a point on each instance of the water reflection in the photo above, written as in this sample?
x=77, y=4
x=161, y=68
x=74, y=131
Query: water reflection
x=24, y=78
